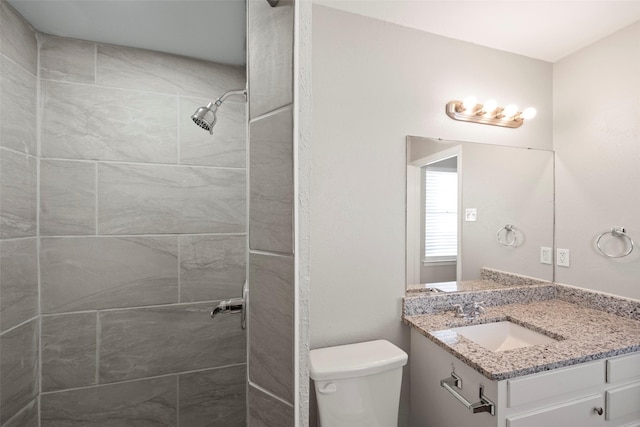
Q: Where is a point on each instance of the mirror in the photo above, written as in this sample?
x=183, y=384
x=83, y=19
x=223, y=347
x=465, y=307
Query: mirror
x=473, y=205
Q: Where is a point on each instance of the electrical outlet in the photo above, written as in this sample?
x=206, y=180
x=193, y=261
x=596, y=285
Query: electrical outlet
x=562, y=257
x=546, y=256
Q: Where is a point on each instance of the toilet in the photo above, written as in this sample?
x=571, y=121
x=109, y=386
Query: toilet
x=358, y=385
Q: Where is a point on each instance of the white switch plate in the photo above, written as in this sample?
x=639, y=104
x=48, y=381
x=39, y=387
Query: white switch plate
x=471, y=214
x=562, y=257
x=546, y=255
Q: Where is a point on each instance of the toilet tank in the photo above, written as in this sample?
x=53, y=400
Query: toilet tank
x=358, y=385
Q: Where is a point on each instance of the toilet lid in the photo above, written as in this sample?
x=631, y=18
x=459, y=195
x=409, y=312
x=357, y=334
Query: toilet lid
x=355, y=360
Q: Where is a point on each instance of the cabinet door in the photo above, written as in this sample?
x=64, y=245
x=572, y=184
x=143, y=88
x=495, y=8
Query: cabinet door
x=580, y=412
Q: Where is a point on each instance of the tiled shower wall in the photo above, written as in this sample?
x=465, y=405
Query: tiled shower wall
x=271, y=216
x=19, y=320
x=140, y=217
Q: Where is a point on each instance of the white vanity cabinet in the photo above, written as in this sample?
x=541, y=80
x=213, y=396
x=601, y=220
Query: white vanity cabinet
x=598, y=393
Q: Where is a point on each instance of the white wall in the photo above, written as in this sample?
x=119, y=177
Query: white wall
x=597, y=141
x=373, y=84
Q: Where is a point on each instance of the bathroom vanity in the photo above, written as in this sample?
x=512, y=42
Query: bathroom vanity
x=586, y=374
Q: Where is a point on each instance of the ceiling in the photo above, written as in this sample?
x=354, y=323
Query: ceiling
x=215, y=29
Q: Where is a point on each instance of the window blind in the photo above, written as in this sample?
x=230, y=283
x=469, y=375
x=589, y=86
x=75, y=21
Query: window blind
x=441, y=215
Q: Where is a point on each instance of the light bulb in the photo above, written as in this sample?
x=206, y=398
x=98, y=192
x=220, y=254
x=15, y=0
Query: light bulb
x=469, y=103
x=509, y=111
x=489, y=106
x=528, y=113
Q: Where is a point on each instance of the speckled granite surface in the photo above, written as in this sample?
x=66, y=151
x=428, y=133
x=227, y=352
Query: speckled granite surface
x=586, y=334
x=422, y=303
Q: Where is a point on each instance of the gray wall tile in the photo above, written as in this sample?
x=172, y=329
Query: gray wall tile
x=18, y=281
x=18, y=369
x=212, y=267
x=271, y=165
x=18, y=93
x=226, y=147
x=18, y=202
x=270, y=56
x=28, y=417
x=214, y=398
x=140, y=69
x=138, y=199
x=161, y=340
x=271, y=323
x=145, y=403
x=265, y=411
x=67, y=197
x=67, y=59
x=68, y=351
x=88, y=273
x=90, y=122
x=18, y=39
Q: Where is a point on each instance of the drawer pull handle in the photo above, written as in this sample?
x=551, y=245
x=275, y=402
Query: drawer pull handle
x=598, y=411
x=484, y=405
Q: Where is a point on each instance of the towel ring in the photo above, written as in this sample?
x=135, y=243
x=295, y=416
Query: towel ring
x=503, y=235
x=616, y=232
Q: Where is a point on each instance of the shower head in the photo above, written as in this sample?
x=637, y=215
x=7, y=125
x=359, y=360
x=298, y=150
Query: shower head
x=205, y=117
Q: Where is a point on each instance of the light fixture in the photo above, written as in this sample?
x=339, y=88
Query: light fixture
x=488, y=113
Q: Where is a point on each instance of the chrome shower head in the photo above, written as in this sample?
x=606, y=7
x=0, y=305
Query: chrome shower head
x=205, y=117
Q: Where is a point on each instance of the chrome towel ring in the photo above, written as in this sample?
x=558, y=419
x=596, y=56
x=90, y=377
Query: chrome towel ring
x=503, y=235
x=616, y=232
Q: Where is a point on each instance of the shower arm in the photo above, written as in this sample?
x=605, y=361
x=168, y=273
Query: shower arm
x=237, y=92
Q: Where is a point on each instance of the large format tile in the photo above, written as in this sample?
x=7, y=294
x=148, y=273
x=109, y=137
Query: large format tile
x=143, y=199
x=67, y=197
x=28, y=417
x=214, y=398
x=68, y=351
x=226, y=147
x=212, y=267
x=96, y=123
x=18, y=194
x=18, y=39
x=18, y=369
x=145, y=342
x=18, y=281
x=67, y=59
x=270, y=56
x=18, y=94
x=145, y=403
x=265, y=411
x=271, y=165
x=139, y=69
x=89, y=273
x=271, y=323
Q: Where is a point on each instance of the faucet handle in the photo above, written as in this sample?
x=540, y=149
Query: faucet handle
x=478, y=307
x=459, y=312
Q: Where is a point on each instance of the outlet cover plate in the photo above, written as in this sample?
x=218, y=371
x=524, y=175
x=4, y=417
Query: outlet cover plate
x=546, y=255
x=562, y=257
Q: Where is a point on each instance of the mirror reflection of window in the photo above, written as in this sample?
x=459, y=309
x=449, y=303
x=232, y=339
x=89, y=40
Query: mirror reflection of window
x=440, y=219
x=441, y=214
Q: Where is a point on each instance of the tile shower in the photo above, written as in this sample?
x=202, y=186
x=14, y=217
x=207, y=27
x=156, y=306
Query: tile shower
x=121, y=224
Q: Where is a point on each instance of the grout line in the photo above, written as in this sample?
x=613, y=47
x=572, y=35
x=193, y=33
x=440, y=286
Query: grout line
x=96, y=189
x=39, y=114
x=177, y=400
x=95, y=64
x=137, y=307
x=269, y=253
x=267, y=392
x=179, y=269
x=13, y=328
x=98, y=347
x=272, y=113
x=135, y=163
x=178, y=133
x=106, y=236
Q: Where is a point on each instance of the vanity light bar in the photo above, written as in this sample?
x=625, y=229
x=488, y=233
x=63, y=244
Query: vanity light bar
x=488, y=113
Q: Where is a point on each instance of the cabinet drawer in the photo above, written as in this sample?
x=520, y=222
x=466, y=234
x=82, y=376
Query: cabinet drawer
x=623, y=368
x=554, y=383
x=623, y=401
x=578, y=412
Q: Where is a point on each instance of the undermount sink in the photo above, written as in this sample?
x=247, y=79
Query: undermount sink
x=501, y=336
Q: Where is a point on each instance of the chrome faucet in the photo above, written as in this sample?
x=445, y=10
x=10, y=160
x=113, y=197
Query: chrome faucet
x=476, y=311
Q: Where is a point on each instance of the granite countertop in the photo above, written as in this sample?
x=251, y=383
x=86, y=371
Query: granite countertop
x=461, y=286
x=584, y=334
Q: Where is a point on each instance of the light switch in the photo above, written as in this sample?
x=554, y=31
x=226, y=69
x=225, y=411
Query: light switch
x=471, y=214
